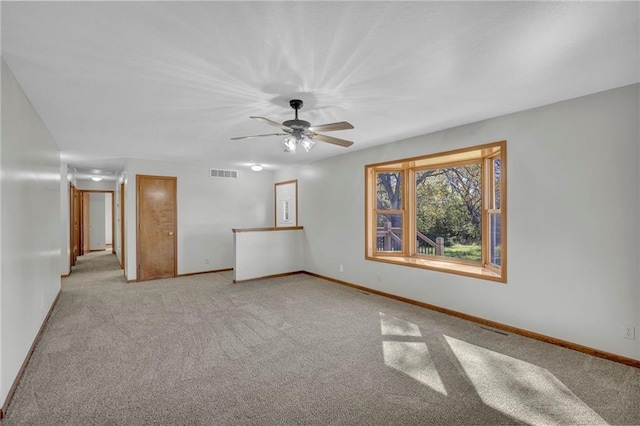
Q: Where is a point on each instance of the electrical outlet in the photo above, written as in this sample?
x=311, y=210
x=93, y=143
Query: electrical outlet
x=630, y=332
x=341, y=268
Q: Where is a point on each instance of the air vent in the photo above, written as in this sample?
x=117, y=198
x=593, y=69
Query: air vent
x=229, y=174
x=495, y=331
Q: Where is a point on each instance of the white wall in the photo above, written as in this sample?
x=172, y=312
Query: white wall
x=208, y=208
x=3, y=391
x=30, y=226
x=117, y=237
x=573, y=221
x=97, y=220
x=89, y=185
x=263, y=253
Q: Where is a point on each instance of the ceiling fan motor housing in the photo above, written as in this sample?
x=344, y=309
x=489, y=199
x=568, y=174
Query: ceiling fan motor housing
x=296, y=104
x=297, y=124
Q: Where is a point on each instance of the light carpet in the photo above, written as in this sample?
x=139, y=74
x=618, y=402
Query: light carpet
x=200, y=350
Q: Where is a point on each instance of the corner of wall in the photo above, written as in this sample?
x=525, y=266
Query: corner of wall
x=1, y=138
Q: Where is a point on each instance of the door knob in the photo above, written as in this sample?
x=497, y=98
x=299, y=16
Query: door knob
x=170, y=233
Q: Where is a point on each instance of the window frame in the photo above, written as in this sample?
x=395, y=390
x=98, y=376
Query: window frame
x=401, y=212
x=489, y=208
x=481, y=154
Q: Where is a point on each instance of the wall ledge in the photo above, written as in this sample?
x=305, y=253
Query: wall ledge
x=280, y=228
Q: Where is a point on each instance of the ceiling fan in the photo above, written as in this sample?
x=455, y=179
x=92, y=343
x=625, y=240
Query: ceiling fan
x=301, y=132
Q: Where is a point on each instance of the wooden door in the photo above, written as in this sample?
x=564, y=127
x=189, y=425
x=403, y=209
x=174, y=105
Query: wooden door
x=113, y=222
x=156, y=217
x=85, y=224
x=73, y=225
x=77, y=215
x=77, y=223
x=122, y=245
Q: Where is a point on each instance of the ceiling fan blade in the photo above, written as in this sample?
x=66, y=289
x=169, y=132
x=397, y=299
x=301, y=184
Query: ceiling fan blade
x=330, y=139
x=342, y=125
x=272, y=123
x=258, y=136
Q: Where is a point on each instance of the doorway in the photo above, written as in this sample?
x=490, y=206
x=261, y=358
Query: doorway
x=156, y=241
x=122, y=239
x=74, y=219
x=92, y=222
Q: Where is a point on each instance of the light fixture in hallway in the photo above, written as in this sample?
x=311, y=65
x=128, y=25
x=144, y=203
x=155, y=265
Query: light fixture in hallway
x=257, y=167
x=96, y=178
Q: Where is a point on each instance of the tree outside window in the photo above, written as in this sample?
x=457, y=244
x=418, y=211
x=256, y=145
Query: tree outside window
x=389, y=211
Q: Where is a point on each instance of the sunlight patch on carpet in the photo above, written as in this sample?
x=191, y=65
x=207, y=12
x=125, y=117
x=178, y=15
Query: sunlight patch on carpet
x=392, y=326
x=413, y=359
x=519, y=389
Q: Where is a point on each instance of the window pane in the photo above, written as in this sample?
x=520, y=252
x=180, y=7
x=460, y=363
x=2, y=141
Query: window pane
x=497, y=176
x=389, y=233
x=495, y=234
x=449, y=212
x=389, y=188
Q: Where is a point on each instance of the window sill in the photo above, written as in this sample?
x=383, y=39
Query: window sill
x=442, y=266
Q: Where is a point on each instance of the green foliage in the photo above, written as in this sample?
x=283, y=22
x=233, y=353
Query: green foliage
x=468, y=252
x=448, y=204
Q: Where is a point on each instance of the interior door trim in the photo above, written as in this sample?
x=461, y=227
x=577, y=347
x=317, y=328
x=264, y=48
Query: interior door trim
x=122, y=216
x=113, y=210
x=175, y=223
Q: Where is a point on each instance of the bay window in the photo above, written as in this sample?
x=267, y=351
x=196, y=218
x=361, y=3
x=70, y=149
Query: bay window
x=442, y=211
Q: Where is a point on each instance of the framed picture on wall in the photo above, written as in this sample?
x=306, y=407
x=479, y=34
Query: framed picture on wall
x=286, y=203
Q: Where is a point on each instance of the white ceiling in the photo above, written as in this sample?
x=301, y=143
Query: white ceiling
x=176, y=80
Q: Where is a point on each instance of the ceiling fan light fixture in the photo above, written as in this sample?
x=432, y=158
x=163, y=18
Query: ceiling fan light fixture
x=307, y=143
x=301, y=132
x=289, y=144
x=256, y=167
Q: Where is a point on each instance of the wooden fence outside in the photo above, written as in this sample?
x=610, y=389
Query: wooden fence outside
x=388, y=239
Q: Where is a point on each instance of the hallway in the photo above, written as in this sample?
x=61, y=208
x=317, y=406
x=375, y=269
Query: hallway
x=101, y=265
